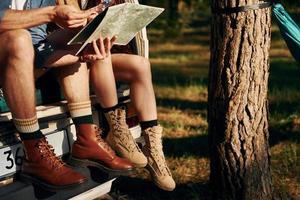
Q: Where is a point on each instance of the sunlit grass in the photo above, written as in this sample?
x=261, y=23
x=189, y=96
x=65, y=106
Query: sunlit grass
x=189, y=169
x=179, y=124
x=194, y=93
x=286, y=169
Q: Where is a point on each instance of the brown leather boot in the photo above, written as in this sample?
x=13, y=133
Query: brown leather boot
x=42, y=167
x=90, y=149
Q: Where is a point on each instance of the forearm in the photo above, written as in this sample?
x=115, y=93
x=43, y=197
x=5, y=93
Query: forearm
x=23, y=19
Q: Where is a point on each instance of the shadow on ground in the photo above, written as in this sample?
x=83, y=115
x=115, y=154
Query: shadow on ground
x=196, y=146
x=181, y=104
x=284, y=87
x=284, y=74
x=141, y=189
x=179, y=76
x=277, y=136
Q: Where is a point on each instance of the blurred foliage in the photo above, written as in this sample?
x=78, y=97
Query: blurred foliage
x=180, y=14
x=290, y=3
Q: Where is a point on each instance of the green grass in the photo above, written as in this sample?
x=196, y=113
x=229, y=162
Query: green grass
x=180, y=75
x=284, y=88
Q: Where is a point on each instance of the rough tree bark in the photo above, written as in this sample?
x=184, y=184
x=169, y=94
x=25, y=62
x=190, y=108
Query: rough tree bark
x=238, y=108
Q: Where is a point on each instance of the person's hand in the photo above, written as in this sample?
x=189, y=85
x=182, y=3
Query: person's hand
x=101, y=5
x=67, y=16
x=96, y=10
x=97, y=50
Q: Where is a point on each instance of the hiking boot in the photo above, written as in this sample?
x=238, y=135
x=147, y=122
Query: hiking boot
x=90, y=149
x=42, y=167
x=121, y=140
x=157, y=165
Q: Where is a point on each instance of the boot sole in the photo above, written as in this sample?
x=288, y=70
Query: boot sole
x=85, y=163
x=139, y=165
x=53, y=188
x=163, y=187
x=157, y=184
x=136, y=165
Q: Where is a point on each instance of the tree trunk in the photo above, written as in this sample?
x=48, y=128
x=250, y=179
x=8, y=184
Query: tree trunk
x=238, y=106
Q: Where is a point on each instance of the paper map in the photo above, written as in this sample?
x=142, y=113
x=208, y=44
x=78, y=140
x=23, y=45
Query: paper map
x=123, y=20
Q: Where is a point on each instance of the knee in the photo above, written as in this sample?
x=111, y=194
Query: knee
x=142, y=69
x=19, y=44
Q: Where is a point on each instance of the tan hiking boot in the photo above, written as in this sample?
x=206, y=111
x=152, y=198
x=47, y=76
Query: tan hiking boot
x=157, y=165
x=121, y=140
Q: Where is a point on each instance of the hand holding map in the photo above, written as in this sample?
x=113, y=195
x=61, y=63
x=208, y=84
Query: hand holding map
x=123, y=21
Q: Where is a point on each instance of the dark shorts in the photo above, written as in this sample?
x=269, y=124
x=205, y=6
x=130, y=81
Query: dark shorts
x=42, y=51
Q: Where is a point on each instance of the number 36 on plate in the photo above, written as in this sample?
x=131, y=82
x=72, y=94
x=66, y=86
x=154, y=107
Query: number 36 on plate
x=11, y=159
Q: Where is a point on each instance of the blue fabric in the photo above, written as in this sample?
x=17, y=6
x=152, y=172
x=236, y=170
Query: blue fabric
x=1, y=14
x=290, y=31
x=4, y=5
x=38, y=33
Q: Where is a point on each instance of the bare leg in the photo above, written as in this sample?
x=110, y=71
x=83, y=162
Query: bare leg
x=101, y=73
x=136, y=71
x=17, y=80
x=119, y=136
x=129, y=68
x=75, y=82
x=65, y=55
x=103, y=81
x=72, y=75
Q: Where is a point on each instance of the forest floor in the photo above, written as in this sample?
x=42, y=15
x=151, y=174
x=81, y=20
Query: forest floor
x=180, y=75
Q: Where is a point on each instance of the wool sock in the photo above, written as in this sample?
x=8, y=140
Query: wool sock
x=106, y=110
x=148, y=124
x=28, y=128
x=81, y=112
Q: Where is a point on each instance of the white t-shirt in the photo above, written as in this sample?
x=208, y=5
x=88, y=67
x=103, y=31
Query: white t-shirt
x=18, y=4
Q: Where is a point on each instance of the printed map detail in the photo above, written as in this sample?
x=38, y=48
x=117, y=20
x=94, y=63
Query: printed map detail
x=123, y=21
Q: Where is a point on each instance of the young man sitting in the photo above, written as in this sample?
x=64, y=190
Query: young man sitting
x=20, y=51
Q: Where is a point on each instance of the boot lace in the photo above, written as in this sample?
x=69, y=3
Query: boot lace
x=99, y=132
x=156, y=150
x=47, y=152
x=121, y=131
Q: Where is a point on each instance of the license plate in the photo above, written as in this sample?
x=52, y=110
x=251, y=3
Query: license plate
x=11, y=157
